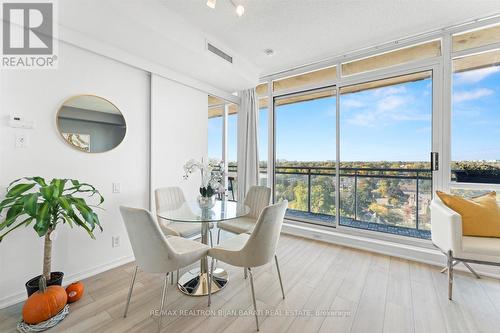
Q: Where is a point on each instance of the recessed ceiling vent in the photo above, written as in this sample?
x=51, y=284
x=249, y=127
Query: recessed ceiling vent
x=218, y=52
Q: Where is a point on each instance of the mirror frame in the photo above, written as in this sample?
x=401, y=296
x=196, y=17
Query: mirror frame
x=74, y=147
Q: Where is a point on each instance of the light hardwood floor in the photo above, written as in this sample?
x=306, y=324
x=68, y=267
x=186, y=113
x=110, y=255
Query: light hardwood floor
x=365, y=292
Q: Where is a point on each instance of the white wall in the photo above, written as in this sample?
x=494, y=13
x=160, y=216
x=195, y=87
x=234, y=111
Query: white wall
x=178, y=133
x=37, y=96
x=172, y=144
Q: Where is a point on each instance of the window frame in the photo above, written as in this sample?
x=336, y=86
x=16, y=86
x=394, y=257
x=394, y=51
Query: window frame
x=442, y=72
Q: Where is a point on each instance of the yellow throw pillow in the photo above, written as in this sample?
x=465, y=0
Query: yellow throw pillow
x=480, y=216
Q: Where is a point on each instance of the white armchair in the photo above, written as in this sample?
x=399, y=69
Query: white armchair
x=446, y=230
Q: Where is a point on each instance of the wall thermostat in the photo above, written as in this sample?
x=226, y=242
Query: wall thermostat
x=17, y=121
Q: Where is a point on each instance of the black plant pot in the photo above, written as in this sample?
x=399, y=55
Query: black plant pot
x=478, y=176
x=55, y=280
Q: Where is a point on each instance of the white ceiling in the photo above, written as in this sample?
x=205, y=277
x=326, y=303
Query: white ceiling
x=172, y=33
x=305, y=31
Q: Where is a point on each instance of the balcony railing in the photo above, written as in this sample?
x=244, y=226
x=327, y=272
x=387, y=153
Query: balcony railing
x=393, y=200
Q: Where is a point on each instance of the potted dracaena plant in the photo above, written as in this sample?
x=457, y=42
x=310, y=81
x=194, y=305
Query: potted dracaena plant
x=32, y=200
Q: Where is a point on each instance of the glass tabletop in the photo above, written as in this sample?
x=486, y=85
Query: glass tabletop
x=191, y=212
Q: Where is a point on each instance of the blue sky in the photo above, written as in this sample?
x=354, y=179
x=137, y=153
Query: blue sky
x=385, y=124
x=476, y=115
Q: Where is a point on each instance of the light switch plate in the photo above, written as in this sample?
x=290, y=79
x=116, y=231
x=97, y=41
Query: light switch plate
x=115, y=241
x=116, y=188
x=22, y=140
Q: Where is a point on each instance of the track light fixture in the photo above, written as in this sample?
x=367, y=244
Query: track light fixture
x=240, y=10
x=211, y=3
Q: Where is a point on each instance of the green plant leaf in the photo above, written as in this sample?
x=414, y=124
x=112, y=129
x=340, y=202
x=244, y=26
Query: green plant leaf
x=42, y=224
x=67, y=219
x=65, y=204
x=47, y=192
x=12, y=214
x=78, y=221
x=7, y=201
x=31, y=204
x=58, y=186
x=25, y=222
x=85, y=212
x=18, y=189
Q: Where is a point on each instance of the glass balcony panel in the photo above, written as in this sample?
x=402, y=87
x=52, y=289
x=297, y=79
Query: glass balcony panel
x=292, y=187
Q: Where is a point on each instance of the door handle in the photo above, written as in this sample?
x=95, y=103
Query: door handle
x=434, y=161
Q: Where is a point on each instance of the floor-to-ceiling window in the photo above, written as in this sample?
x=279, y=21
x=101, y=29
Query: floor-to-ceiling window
x=475, y=115
x=215, y=129
x=222, y=139
x=263, y=129
x=385, y=142
x=306, y=153
x=232, y=151
x=352, y=143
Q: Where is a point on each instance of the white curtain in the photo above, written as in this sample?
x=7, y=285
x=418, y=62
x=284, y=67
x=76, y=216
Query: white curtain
x=248, y=155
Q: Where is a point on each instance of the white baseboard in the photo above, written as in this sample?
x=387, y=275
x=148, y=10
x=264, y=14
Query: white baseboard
x=21, y=294
x=409, y=252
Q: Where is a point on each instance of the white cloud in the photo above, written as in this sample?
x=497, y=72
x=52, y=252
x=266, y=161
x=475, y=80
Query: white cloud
x=476, y=75
x=391, y=102
x=391, y=90
x=352, y=103
x=463, y=96
x=386, y=106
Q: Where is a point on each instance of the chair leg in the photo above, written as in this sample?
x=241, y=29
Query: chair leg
x=210, y=279
x=446, y=267
x=172, y=278
x=245, y=273
x=471, y=270
x=253, y=298
x=130, y=292
x=163, y=296
x=211, y=240
x=178, y=273
x=450, y=275
x=218, y=236
x=279, y=275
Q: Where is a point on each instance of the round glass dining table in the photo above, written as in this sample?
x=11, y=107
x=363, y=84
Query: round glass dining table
x=195, y=281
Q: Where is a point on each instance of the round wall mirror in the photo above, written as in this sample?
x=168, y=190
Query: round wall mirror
x=91, y=124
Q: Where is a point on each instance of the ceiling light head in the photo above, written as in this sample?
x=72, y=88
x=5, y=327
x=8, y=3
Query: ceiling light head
x=240, y=10
x=211, y=3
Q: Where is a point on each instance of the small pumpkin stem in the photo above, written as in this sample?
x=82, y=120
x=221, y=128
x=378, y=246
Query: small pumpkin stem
x=42, y=284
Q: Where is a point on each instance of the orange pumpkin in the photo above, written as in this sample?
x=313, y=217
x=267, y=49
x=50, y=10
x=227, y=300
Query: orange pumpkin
x=45, y=303
x=74, y=291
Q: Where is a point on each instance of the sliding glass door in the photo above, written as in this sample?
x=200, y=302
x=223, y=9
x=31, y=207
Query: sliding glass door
x=382, y=167
x=305, y=131
x=385, y=145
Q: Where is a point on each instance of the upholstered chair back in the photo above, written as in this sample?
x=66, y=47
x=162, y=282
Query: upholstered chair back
x=261, y=246
x=258, y=197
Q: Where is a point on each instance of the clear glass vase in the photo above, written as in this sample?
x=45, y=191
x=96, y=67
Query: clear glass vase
x=206, y=202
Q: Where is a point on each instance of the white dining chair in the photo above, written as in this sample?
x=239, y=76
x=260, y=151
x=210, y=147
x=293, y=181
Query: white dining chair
x=255, y=249
x=155, y=253
x=170, y=198
x=258, y=197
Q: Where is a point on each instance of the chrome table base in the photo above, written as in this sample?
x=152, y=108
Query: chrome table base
x=194, y=283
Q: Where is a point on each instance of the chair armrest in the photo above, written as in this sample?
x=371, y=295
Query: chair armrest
x=446, y=227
